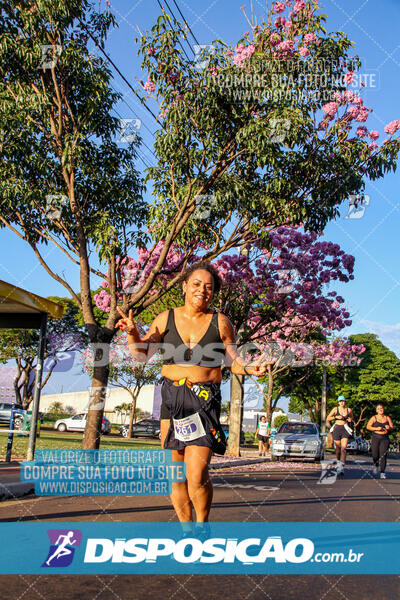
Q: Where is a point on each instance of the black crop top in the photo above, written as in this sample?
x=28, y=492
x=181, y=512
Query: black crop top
x=208, y=352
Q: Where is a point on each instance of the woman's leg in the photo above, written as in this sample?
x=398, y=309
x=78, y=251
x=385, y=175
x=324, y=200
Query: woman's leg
x=164, y=426
x=343, y=449
x=383, y=450
x=338, y=449
x=375, y=441
x=200, y=490
x=180, y=496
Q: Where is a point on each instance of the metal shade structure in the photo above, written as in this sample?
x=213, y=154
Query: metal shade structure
x=20, y=309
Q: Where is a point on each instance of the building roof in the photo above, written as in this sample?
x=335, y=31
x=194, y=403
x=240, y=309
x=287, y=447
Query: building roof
x=16, y=301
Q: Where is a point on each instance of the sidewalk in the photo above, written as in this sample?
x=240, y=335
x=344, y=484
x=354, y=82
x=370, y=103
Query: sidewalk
x=248, y=457
x=10, y=484
x=12, y=487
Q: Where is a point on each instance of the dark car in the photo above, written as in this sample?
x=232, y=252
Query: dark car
x=5, y=414
x=145, y=428
x=225, y=429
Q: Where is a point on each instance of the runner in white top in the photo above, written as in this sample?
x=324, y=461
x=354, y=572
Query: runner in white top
x=263, y=434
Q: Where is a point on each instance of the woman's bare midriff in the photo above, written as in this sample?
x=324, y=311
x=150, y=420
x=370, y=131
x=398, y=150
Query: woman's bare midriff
x=194, y=373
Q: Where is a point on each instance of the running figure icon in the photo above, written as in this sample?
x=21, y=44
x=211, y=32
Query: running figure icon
x=62, y=549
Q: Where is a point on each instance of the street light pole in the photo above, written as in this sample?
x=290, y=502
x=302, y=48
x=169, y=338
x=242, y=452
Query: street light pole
x=38, y=384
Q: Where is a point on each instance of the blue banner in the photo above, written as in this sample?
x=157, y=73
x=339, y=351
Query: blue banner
x=217, y=548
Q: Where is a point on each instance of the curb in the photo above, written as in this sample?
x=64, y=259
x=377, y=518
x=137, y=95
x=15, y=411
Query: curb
x=15, y=490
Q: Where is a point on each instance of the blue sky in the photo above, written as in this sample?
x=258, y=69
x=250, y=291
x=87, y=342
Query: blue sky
x=374, y=295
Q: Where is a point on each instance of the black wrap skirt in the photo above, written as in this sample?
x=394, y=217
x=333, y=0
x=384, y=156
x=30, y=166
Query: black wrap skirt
x=194, y=410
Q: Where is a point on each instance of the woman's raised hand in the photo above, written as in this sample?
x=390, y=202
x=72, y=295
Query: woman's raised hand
x=259, y=366
x=126, y=323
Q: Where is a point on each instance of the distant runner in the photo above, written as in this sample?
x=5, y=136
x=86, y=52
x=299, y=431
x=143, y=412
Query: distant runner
x=380, y=425
x=263, y=434
x=341, y=430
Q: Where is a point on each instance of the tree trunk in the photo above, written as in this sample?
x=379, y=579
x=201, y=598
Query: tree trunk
x=132, y=413
x=268, y=407
x=235, y=415
x=91, y=437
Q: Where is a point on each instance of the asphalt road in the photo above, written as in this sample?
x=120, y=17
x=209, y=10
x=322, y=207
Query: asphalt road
x=270, y=492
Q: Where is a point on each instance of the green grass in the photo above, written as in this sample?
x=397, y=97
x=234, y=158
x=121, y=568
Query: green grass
x=51, y=439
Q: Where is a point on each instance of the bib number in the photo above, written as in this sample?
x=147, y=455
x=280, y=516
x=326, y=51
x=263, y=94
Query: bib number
x=189, y=428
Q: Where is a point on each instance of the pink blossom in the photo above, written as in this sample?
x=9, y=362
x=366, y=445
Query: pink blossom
x=357, y=100
x=279, y=7
x=149, y=86
x=243, y=53
x=372, y=146
x=151, y=51
x=362, y=116
x=274, y=39
x=309, y=38
x=304, y=52
x=300, y=5
x=280, y=22
x=353, y=111
x=229, y=53
x=374, y=134
x=361, y=131
x=348, y=77
x=286, y=46
x=330, y=108
x=392, y=127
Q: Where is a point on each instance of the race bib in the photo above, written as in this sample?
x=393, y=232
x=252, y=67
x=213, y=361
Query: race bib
x=189, y=428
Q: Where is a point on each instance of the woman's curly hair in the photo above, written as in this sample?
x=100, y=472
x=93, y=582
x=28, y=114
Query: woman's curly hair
x=204, y=265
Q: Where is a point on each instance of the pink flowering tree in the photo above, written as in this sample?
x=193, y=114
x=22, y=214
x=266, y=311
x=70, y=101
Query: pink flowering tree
x=286, y=307
x=279, y=110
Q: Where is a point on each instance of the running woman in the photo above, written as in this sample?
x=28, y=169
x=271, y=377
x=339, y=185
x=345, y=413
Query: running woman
x=262, y=433
x=341, y=430
x=195, y=341
x=380, y=425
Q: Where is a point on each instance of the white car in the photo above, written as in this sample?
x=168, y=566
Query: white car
x=297, y=440
x=78, y=423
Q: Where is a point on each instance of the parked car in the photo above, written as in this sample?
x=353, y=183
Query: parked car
x=352, y=445
x=362, y=445
x=225, y=429
x=145, y=428
x=5, y=414
x=78, y=423
x=297, y=440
